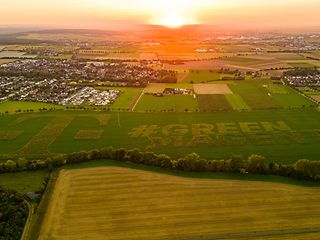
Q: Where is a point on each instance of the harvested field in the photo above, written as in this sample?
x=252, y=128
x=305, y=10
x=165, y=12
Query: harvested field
x=212, y=89
x=4, y=61
x=114, y=203
x=12, y=54
x=155, y=88
x=316, y=97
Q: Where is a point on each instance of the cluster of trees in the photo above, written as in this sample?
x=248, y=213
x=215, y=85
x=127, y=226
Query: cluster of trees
x=13, y=214
x=302, y=169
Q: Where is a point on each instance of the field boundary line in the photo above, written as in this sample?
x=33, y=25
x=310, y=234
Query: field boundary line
x=26, y=228
x=138, y=100
x=247, y=235
x=39, y=215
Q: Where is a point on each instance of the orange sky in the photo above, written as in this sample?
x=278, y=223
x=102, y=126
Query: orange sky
x=103, y=13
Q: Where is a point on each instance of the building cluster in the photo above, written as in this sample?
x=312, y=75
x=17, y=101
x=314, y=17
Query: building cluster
x=53, y=91
x=86, y=72
x=91, y=96
x=303, y=81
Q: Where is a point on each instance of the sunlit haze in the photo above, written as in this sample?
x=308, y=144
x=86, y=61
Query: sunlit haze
x=173, y=13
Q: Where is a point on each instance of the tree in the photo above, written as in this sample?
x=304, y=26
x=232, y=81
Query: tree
x=237, y=163
x=307, y=169
x=257, y=164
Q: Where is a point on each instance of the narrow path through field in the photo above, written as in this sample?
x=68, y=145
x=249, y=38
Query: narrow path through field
x=138, y=100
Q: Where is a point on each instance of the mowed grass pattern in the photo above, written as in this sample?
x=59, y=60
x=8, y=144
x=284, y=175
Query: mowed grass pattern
x=121, y=203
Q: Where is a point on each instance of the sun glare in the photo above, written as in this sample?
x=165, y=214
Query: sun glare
x=172, y=20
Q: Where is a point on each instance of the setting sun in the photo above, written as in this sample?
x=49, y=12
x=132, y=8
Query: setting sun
x=172, y=20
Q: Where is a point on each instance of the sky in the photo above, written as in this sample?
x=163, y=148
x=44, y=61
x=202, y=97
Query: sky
x=173, y=13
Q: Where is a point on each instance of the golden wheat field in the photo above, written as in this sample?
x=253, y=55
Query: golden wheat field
x=121, y=203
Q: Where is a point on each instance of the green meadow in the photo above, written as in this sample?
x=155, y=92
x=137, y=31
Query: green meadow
x=281, y=135
x=17, y=106
x=167, y=103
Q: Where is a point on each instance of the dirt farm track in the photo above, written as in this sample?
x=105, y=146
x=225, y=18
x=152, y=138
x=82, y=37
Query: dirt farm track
x=119, y=203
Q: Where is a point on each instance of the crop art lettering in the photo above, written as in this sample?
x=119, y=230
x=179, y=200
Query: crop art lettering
x=220, y=134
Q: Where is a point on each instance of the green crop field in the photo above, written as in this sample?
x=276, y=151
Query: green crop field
x=62, y=57
x=254, y=94
x=116, y=202
x=241, y=59
x=237, y=102
x=277, y=89
x=16, y=106
x=292, y=99
x=203, y=76
x=175, y=103
x=280, y=135
x=301, y=65
x=212, y=103
x=23, y=182
x=127, y=97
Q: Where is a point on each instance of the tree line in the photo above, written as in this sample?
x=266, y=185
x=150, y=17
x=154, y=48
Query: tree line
x=257, y=164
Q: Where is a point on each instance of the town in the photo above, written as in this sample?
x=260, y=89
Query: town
x=72, y=82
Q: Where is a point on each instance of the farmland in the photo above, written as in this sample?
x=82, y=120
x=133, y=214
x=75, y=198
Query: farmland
x=204, y=76
x=176, y=103
x=127, y=98
x=12, y=54
x=241, y=59
x=281, y=135
x=183, y=208
x=19, y=106
x=23, y=182
x=209, y=103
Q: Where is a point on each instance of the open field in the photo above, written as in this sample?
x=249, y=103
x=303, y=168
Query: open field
x=301, y=65
x=155, y=88
x=180, y=208
x=62, y=57
x=4, y=61
x=316, y=97
x=281, y=135
x=286, y=56
x=176, y=103
x=204, y=76
x=12, y=54
x=254, y=94
x=23, y=182
x=291, y=98
x=17, y=106
x=241, y=59
x=212, y=103
x=212, y=89
x=237, y=102
x=127, y=97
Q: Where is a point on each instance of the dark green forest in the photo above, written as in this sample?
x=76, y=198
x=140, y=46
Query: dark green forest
x=13, y=214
